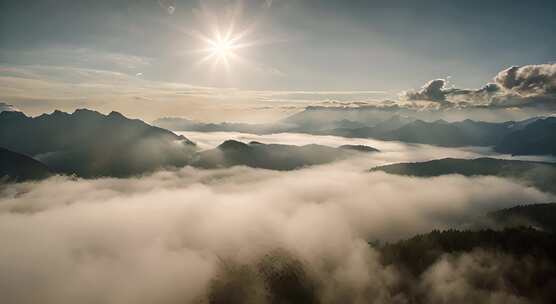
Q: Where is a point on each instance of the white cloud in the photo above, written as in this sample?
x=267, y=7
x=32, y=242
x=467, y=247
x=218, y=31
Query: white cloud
x=462, y=278
x=7, y=107
x=517, y=86
x=165, y=237
x=119, y=83
x=529, y=80
x=391, y=151
x=433, y=90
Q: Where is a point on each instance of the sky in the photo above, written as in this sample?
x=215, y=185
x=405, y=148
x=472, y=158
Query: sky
x=145, y=58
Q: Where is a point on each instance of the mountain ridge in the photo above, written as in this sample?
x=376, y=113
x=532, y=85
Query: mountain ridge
x=510, y=137
x=91, y=144
x=16, y=167
x=541, y=175
x=273, y=156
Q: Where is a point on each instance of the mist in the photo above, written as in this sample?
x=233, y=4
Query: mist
x=229, y=235
x=391, y=151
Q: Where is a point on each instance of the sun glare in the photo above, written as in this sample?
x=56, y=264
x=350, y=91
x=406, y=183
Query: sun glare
x=223, y=42
x=221, y=48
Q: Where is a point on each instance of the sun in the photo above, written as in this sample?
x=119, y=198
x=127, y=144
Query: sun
x=223, y=47
x=223, y=39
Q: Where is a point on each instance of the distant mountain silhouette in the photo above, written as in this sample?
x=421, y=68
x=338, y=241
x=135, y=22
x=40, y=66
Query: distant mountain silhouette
x=535, y=138
x=537, y=174
x=319, y=118
x=359, y=148
x=290, y=124
x=436, y=133
x=441, y=133
x=90, y=144
x=182, y=124
x=272, y=156
x=16, y=167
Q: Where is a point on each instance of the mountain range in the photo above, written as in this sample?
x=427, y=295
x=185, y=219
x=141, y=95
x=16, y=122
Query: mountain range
x=183, y=124
x=535, y=136
x=90, y=144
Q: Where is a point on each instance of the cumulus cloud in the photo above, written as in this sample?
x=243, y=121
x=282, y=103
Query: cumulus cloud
x=437, y=91
x=433, y=90
x=527, y=86
x=529, y=80
x=517, y=86
x=192, y=235
x=112, y=84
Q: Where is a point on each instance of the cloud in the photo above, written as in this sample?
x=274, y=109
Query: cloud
x=115, y=85
x=515, y=87
x=527, y=86
x=390, y=151
x=433, y=90
x=7, y=107
x=188, y=235
x=42, y=88
x=76, y=57
x=477, y=277
x=309, y=96
x=529, y=80
x=437, y=91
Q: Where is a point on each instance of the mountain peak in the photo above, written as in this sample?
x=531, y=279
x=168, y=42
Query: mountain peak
x=87, y=112
x=232, y=145
x=128, y=146
x=441, y=121
x=58, y=113
x=115, y=114
x=84, y=110
x=12, y=114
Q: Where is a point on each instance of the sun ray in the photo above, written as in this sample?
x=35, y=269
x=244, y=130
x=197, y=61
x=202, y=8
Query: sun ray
x=224, y=40
x=222, y=46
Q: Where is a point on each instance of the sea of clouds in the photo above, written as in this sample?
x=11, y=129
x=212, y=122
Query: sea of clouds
x=243, y=235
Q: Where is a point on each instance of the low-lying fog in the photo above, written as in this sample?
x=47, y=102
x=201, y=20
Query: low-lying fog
x=168, y=237
x=392, y=151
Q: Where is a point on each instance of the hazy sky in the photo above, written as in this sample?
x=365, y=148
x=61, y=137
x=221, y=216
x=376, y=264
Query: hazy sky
x=103, y=54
